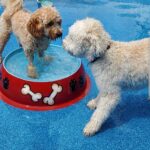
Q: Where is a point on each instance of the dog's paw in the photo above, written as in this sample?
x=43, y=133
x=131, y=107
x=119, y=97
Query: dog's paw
x=32, y=72
x=90, y=129
x=47, y=59
x=92, y=104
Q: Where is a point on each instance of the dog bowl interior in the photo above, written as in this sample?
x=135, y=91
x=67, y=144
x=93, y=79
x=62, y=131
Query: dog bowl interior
x=61, y=65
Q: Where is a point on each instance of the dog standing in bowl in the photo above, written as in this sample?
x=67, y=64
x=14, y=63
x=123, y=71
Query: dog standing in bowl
x=112, y=63
x=34, y=31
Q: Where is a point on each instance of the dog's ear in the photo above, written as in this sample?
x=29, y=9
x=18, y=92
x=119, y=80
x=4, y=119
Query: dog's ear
x=35, y=27
x=98, y=43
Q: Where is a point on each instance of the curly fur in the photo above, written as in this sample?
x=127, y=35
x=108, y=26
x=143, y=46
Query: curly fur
x=5, y=30
x=34, y=31
x=119, y=63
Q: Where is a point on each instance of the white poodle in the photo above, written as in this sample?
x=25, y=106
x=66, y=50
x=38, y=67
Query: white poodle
x=112, y=62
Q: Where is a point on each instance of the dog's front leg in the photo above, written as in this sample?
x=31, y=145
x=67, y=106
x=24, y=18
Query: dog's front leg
x=41, y=53
x=105, y=105
x=31, y=68
x=45, y=58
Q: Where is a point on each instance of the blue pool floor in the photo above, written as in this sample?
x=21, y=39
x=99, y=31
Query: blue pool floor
x=128, y=127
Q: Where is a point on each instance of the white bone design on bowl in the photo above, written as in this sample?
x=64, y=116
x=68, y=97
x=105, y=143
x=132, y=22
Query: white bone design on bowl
x=35, y=96
x=50, y=100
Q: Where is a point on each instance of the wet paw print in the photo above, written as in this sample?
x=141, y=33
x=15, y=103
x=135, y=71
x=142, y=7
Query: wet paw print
x=5, y=83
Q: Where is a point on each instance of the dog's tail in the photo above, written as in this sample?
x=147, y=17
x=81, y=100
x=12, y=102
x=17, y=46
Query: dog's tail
x=3, y=2
x=10, y=8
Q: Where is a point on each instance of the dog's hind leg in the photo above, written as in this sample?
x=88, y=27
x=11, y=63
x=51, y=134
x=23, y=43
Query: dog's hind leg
x=5, y=30
x=106, y=104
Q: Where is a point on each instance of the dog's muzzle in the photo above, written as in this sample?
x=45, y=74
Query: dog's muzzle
x=54, y=36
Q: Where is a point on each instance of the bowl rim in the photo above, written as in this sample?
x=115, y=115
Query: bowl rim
x=32, y=81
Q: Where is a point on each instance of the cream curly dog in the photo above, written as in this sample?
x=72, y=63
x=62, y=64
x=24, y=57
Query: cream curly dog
x=32, y=30
x=112, y=63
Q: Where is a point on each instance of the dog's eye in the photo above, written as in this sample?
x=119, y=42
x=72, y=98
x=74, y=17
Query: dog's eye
x=59, y=22
x=51, y=23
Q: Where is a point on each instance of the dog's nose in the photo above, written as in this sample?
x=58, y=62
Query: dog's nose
x=71, y=53
x=59, y=34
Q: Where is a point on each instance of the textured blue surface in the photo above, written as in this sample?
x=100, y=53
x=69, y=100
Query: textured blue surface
x=128, y=126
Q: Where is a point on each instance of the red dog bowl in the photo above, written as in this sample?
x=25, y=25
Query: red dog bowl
x=43, y=93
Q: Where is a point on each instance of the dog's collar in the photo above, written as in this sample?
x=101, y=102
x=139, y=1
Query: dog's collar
x=99, y=56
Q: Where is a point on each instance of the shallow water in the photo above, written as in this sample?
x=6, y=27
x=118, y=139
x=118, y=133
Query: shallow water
x=61, y=65
x=45, y=2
